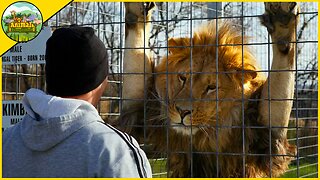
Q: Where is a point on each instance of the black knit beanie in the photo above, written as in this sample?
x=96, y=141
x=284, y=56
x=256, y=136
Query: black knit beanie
x=76, y=61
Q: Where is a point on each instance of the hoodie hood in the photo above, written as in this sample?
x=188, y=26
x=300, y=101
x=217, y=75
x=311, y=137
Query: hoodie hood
x=50, y=120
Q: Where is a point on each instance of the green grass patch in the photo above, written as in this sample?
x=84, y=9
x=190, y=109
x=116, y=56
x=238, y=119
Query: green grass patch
x=21, y=36
x=306, y=169
x=159, y=168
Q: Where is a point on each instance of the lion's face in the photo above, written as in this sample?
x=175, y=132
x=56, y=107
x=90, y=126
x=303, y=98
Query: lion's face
x=192, y=97
x=202, y=90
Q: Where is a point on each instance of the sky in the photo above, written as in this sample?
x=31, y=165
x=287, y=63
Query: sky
x=20, y=6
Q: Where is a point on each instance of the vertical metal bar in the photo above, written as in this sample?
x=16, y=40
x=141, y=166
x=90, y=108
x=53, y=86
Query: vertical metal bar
x=191, y=96
x=217, y=93
x=167, y=87
x=242, y=95
x=121, y=46
x=57, y=20
x=98, y=19
x=269, y=105
x=99, y=107
x=296, y=98
x=76, y=12
x=93, y=11
x=5, y=77
x=144, y=74
x=17, y=81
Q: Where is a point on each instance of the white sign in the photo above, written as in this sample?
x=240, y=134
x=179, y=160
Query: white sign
x=12, y=113
x=32, y=52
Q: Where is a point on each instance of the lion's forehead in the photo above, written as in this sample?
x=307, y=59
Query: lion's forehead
x=196, y=64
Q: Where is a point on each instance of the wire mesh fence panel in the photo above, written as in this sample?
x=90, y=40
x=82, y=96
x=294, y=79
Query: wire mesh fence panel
x=181, y=20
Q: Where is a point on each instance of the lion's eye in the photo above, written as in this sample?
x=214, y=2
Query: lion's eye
x=182, y=78
x=211, y=88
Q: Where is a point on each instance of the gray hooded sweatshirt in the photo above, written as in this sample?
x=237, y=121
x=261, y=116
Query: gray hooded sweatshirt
x=67, y=138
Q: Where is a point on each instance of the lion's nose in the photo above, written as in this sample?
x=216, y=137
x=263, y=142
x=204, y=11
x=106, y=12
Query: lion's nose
x=183, y=113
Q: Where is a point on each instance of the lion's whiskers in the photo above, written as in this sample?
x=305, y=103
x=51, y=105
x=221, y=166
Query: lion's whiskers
x=159, y=99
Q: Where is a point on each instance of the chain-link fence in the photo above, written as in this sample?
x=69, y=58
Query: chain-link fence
x=182, y=20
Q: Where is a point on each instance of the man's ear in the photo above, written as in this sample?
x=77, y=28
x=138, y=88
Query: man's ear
x=178, y=44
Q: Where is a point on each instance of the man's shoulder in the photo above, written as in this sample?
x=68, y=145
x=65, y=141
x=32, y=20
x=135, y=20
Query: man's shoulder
x=122, y=149
x=101, y=128
x=104, y=133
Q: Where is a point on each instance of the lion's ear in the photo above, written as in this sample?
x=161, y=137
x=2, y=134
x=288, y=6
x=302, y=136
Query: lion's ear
x=240, y=64
x=248, y=72
x=242, y=75
x=177, y=44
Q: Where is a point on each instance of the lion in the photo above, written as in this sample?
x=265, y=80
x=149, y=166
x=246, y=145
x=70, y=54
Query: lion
x=207, y=105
